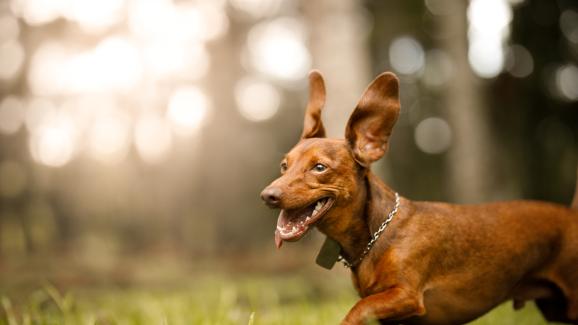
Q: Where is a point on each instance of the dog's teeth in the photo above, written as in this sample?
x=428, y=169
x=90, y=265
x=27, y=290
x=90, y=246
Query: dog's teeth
x=313, y=214
x=309, y=218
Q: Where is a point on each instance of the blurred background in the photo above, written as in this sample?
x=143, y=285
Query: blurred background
x=136, y=135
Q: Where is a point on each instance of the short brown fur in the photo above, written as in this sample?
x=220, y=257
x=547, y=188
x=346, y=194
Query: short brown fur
x=436, y=263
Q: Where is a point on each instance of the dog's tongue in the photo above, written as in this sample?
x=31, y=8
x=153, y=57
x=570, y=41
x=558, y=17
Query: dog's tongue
x=278, y=240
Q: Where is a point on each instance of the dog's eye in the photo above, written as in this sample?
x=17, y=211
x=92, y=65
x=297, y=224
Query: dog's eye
x=319, y=168
x=283, y=167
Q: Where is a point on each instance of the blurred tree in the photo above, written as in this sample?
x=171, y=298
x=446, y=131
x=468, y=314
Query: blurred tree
x=339, y=45
x=470, y=156
x=537, y=124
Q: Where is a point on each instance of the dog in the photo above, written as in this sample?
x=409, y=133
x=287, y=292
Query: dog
x=418, y=262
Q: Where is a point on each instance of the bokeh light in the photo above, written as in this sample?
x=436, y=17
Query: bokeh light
x=213, y=22
x=567, y=82
x=38, y=110
x=438, y=68
x=569, y=25
x=519, y=61
x=183, y=22
x=406, y=55
x=113, y=65
x=439, y=7
x=9, y=28
x=94, y=16
x=12, y=55
x=488, y=28
x=46, y=68
x=37, y=12
x=167, y=60
x=149, y=19
x=187, y=109
x=54, y=142
x=277, y=48
x=433, y=135
x=486, y=57
x=256, y=100
x=489, y=17
x=256, y=8
x=109, y=137
x=153, y=138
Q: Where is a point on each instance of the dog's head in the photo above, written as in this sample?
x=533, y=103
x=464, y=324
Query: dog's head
x=321, y=177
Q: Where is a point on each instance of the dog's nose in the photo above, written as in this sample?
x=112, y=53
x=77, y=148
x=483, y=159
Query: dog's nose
x=272, y=196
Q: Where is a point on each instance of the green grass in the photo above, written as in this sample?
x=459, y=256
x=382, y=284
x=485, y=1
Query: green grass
x=216, y=299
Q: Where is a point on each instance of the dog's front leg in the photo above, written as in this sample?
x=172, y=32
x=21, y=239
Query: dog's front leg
x=392, y=304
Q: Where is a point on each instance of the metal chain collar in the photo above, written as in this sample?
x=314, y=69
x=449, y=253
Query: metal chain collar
x=374, y=237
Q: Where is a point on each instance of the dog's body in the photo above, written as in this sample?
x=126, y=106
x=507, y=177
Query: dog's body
x=436, y=263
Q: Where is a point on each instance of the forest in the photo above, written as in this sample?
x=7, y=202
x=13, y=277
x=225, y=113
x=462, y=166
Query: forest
x=136, y=136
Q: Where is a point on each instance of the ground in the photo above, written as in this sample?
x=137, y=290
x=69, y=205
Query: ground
x=217, y=298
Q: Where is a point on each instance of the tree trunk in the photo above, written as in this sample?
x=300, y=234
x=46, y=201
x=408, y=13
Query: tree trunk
x=339, y=46
x=469, y=157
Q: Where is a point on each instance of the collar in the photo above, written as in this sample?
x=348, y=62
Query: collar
x=331, y=250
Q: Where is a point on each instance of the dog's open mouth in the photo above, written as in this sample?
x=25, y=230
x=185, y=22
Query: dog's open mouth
x=294, y=223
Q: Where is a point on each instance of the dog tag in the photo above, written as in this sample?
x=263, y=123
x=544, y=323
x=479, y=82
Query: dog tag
x=328, y=254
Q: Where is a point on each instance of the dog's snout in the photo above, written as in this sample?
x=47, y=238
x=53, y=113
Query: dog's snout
x=272, y=196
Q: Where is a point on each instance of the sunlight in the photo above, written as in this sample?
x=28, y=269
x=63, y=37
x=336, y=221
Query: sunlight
x=278, y=49
x=488, y=28
x=161, y=19
x=37, y=12
x=38, y=110
x=46, y=69
x=187, y=109
x=213, y=22
x=12, y=55
x=53, y=143
x=170, y=59
x=109, y=138
x=114, y=65
x=486, y=57
x=94, y=16
x=153, y=139
x=146, y=19
x=257, y=8
x=257, y=100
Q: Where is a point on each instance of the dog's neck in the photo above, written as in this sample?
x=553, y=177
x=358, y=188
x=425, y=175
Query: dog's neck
x=367, y=210
x=380, y=201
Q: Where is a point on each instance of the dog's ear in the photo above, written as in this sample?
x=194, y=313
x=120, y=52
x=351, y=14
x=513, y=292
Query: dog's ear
x=312, y=126
x=372, y=121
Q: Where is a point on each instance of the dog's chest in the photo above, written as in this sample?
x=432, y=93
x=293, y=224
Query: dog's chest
x=372, y=278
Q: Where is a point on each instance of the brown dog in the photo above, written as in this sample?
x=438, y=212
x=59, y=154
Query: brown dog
x=434, y=263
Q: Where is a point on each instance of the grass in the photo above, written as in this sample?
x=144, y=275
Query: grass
x=216, y=299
